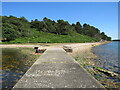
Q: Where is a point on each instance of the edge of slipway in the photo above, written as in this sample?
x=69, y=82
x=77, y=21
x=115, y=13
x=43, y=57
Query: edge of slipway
x=57, y=69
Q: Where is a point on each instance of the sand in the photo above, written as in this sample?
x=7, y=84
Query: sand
x=51, y=45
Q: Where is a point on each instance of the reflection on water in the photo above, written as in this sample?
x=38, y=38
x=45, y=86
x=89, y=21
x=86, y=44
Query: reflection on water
x=13, y=66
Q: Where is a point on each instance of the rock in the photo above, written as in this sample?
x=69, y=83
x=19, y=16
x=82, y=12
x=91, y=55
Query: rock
x=107, y=72
x=67, y=48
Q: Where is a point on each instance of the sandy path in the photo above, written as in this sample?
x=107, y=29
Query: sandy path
x=52, y=45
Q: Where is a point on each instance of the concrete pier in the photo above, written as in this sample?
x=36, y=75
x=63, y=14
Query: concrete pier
x=56, y=69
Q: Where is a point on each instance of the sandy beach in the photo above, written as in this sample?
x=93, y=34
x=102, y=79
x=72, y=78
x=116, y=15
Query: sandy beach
x=52, y=45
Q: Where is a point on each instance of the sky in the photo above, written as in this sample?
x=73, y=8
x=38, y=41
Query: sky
x=102, y=15
x=60, y=0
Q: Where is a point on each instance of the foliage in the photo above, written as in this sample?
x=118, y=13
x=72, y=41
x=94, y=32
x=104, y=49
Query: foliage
x=43, y=37
x=20, y=30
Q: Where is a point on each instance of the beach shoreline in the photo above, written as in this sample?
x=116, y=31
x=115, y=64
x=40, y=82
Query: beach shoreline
x=81, y=52
x=51, y=45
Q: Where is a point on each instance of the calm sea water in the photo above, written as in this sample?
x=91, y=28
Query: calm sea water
x=13, y=67
x=108, y=57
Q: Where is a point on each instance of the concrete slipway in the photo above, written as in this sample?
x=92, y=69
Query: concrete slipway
x=56, y=69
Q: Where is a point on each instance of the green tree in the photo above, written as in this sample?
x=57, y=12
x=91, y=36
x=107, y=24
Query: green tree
x=23, y=19
x=50, y=25
x=14, y=27
x=9, y=32
x=78, y=28
x=63, y=27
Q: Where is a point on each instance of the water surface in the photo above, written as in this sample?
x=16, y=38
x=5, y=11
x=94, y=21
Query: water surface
x=13, y=66
x=108, y=57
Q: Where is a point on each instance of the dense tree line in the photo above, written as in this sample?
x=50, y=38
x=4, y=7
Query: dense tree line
x=13, y=27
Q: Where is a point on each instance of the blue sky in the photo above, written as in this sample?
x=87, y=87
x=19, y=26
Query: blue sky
x=103, y=15
x=60, y=0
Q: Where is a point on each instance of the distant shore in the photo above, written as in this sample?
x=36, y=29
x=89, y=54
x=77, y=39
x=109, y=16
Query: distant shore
x=116, y=40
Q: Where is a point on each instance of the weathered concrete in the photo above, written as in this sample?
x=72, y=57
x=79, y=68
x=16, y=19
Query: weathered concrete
x=56, y=69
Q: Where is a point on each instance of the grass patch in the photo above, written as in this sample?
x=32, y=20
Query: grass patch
x=43, y=37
